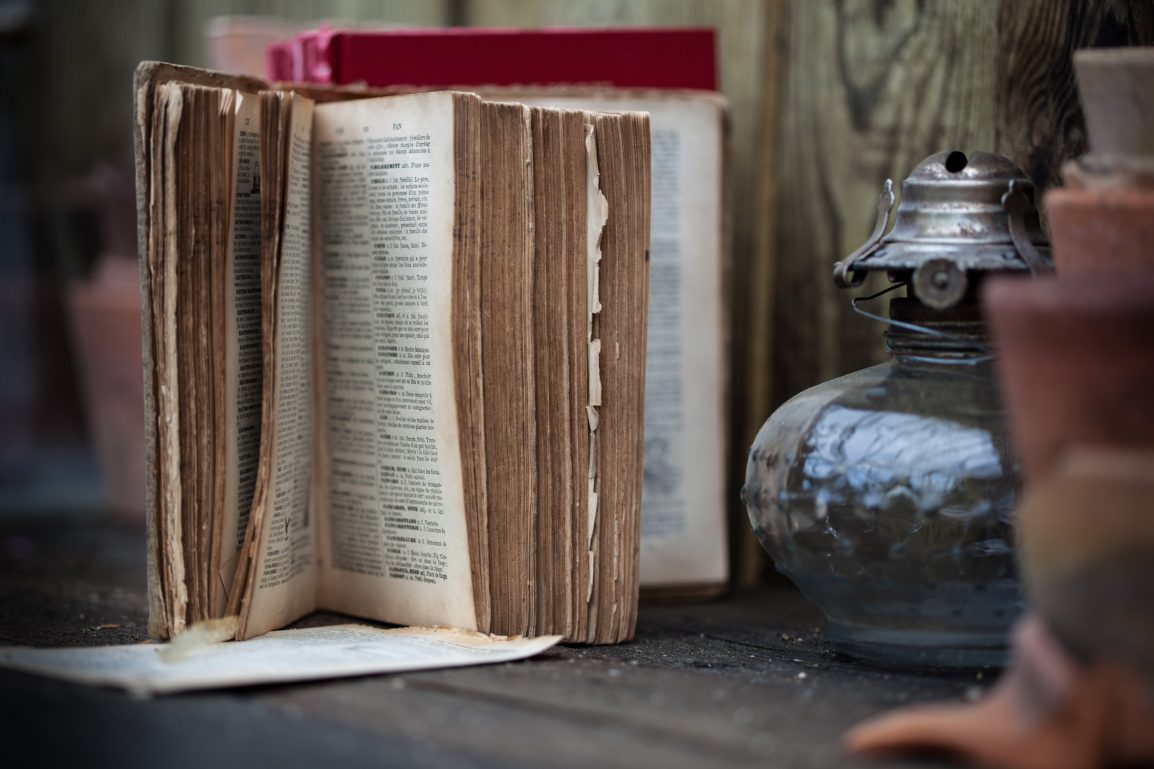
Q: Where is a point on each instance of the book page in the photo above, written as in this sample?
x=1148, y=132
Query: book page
x=172, y=577
x=683, y=535
x=243, y=396
x=284, y=582
x=397, y=541
x=335, y=651
x=153, y=173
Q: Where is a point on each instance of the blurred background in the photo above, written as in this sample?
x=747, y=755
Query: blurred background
x=828, y=99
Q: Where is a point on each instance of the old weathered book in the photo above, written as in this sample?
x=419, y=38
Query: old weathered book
x=394, y=357
x=684, y=549
x=670, y=75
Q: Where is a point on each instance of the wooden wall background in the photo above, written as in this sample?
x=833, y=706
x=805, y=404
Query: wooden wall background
x=829, y=98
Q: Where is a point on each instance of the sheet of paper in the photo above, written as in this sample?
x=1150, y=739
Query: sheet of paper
x=335, y=651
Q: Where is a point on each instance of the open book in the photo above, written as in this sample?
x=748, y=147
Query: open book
x=684, y=548
x=394, y=357
x=669, y=73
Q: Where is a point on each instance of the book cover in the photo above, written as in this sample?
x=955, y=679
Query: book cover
x=635, y=57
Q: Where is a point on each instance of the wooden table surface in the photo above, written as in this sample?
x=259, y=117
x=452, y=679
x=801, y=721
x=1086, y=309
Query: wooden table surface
x=744, y=681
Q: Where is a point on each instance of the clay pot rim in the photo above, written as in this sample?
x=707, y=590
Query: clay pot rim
x=1115, y=197
x=1085, y=294
x=1121, y=55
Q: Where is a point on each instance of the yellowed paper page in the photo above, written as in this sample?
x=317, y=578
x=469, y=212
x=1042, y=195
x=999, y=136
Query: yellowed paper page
x=243, y=397
x=285, y=578
x=397, y=541
x=285, y=655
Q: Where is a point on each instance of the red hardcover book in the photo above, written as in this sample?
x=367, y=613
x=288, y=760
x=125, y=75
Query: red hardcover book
x=639, y=58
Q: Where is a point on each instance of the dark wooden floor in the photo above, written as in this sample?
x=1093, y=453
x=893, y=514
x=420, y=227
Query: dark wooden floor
x=746, y=681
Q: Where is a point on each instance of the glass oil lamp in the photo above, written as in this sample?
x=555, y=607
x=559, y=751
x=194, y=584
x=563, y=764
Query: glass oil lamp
x=887, y=495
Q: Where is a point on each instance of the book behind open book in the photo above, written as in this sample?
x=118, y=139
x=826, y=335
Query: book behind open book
x=394, y=357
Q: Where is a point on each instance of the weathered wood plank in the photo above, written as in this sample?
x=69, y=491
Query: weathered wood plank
x=870, y=89
x=734, y=683
x=1039, y=119
x=753, y=294
x=873, y=87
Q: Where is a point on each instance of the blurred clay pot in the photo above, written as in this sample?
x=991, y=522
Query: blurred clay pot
x=1087, y=552
x=1104, y=218
x=1117, y=97
x=237, y=44
x=105, y=315
x=1101, y=229
x=1076, y=362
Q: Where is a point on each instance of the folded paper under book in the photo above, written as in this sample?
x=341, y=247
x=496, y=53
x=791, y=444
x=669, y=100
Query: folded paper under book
x=302, y=654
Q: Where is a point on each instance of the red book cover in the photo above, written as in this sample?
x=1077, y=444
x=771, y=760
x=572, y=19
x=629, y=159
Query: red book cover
x=632, y=57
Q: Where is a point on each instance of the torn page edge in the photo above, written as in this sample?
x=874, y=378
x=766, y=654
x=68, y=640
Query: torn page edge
x=172, y=98
x=598, y=214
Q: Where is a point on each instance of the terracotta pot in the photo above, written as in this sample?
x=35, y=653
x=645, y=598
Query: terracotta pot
x=237, y=44
x=1096, y=230
x=1076, y=362
x=105, y=314
x=1085, y=543
x=1116, y=86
